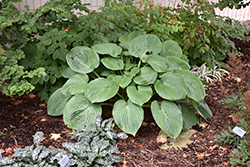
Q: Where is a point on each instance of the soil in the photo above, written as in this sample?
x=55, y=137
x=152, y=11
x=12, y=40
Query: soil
x=21, y=117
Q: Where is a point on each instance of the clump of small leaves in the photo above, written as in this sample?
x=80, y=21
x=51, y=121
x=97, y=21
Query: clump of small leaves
x=30, y=157
x=96, y=144
x=225, y=137
x=209, y=74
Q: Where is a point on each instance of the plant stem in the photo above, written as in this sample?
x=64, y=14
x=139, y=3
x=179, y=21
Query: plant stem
x=106, y=104
x=96, y=74
x=139, y=64
x=120, y=96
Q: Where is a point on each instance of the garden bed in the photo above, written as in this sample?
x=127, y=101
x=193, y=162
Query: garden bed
x=21, y=117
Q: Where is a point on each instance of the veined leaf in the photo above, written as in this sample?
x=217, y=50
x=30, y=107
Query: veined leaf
x=127, y=38
x=112, y=63
x=140, y=96
x=171, y=87
x=168, y=117
x=107, y=48
x=146, y=76
x=178, y=63
x=128, y=116
x=67, y=73
x=171, y=48
x=57, y=102
x=144, y=46
x=79, y=112
x=160, y=64
x=82, y=59
x=195, y=87
x=75, y=84
x=133, y=71
x=123, y=80
x=204, y=110
x=189, y=117
x=101, y=89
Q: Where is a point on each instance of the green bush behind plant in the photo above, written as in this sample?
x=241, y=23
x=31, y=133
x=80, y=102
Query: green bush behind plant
x=126, y=76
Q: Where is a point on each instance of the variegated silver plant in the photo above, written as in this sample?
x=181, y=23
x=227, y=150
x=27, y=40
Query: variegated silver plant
x=209, y=74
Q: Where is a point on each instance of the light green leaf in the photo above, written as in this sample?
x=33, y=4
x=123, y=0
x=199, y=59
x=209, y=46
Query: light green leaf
x=79, y=112
x=178, y=63
x=82, y=59
x=112, y=63
x=195, y=87
x=107, y=48
x=101, y=89
x=123, y=80
x=67, y=73
x=57, y=102
x=171, y=87
x=146, y=76
x=204, y=110
x=189, y=117
x=140, y=96
x=127, y=38
x=171, y=48
x=168, y=117
x=75, y=84
x=145, y=46
x=128, y=116
x=133, y=71
x=160, y=64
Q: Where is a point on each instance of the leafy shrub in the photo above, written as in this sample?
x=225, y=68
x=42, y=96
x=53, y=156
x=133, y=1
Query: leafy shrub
x=127, y=77
x=95, y=146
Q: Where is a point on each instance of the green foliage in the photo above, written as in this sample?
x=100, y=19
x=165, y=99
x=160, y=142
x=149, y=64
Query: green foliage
x=94, y=147
x=232, y=4
x=95, y=144
x=13, y=78
x=226, y=137
x=241, y=104
x=138, y=68
x=30, y=156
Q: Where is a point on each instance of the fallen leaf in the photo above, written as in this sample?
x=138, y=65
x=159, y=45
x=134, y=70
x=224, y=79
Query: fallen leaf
x=162, y=137
x=139, y=144
x=42, y=120
x=144, y=123
x=203, y=125
x=204, y=154
x=55, y=136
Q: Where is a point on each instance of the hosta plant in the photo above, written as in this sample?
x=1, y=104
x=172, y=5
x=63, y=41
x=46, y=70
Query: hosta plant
x=127, y=76
x=34, y=157
x=95, y=144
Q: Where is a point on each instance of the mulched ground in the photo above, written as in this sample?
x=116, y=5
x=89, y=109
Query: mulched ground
x=21, y=117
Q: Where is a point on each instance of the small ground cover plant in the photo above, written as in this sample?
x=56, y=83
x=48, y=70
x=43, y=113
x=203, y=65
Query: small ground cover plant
x=241, y=104
x=95, y=147
x=127, y=76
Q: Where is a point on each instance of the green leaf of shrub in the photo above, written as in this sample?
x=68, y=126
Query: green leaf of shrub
x=57, y=102
x=143, y=44
x=171, y=87
x=160, y=64
x=170, y=48
x=146, y=76
x=112, y=63
x=128, y=116
x=75, y=84
x=82, y=59
x=51, y=49
x=140, y=96
x=189, y=117
x=168, y=117
x=79, y=112
x=108, y=48
x=101, y=89
x=195, y=87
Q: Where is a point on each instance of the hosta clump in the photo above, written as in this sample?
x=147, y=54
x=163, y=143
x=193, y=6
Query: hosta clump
x=127, y=76
x=34, y=157
x=95, y=144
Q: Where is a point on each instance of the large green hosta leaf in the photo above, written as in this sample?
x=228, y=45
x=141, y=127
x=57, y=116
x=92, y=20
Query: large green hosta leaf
x=168, y=117
x=160, y=64
x=171, y=48
x=112, y=63
x=202, y=109
x=79, y=112
x=127, y=38
x=140, y=96
x=195, y=87
x=171, y=87
x=178, y=63
x=123, y=80
x=57, y=102
x=146, y=76
x=75, y=84
x=108, y=48
x=82, y=59
x=189, y=117
x=144, y=46
x=101, y=89
x=128, y=116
